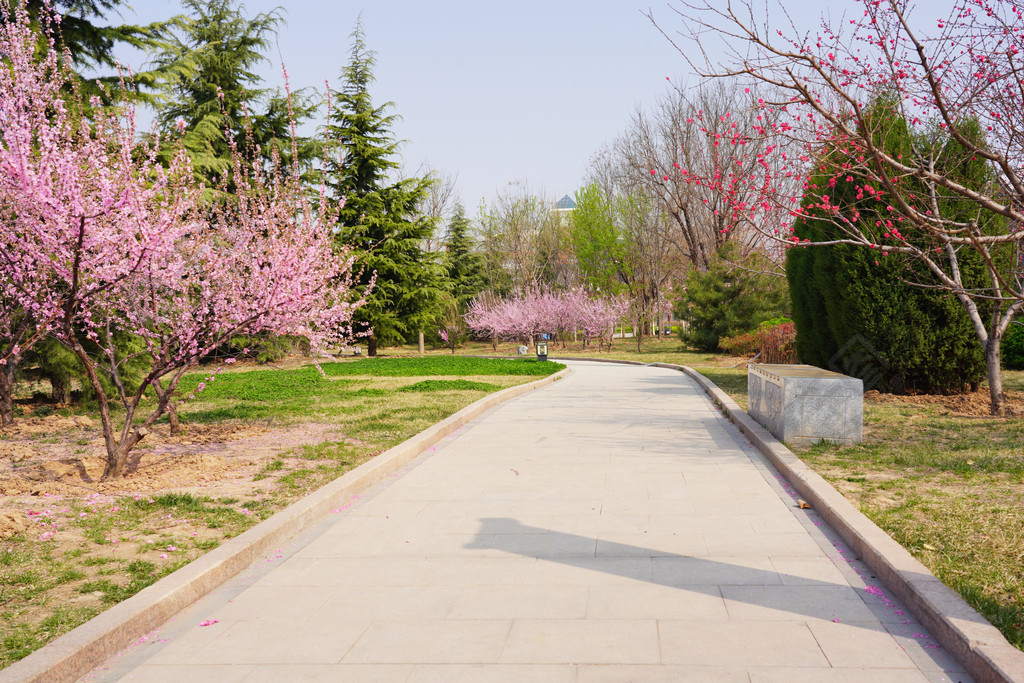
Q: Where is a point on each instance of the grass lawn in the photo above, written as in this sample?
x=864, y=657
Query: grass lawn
x=84, y=550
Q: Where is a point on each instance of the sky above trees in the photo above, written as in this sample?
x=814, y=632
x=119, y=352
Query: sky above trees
x=515, y=92
x=496, y=92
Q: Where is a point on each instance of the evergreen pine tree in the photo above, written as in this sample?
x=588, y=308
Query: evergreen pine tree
x=379, y=217
x=464, y=266
x=725, y=299
x=91, y=44
x=215, y=90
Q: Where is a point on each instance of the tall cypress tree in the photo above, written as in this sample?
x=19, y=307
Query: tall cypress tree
x=379, y=217
x=858, y=311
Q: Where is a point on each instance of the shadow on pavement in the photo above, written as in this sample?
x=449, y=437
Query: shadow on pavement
x=771, y=590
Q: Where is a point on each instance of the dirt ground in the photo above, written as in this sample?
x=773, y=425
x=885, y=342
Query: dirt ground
x=974, y=404
x=61, y=456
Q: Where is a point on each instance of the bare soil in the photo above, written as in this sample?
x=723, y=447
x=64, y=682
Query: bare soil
x=974, y=404
x=60, y=456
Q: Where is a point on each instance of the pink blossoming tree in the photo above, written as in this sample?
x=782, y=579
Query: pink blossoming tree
x=100, y=239
x=525, y=317
x=949, y=82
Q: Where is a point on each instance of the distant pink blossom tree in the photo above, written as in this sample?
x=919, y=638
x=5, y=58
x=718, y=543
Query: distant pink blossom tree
x=101, y=240
x=526, y=316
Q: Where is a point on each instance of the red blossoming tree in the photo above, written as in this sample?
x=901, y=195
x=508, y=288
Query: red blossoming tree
x=957, y=85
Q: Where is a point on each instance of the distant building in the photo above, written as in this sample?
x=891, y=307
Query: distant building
x=566, y=203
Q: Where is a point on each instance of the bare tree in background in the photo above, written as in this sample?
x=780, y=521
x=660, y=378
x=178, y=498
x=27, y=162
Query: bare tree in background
x=682, y=137
x=522, y=242
x=438, y=203
x=624, y=241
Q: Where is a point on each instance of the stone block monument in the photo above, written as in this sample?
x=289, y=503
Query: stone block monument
x=802, y=404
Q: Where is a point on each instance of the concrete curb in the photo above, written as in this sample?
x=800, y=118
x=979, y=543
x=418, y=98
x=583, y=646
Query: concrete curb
x=79, y=651
x=965, y=633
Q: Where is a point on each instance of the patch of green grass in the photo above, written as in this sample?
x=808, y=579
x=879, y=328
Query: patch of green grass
x=139, y=575
x=25, y=578
x=450, y=385
x=296, y=478
x=69, y=575
x=258, y=385
x=206, y=544
x=63, y=619
x=732, y=381
x=338, y=451
x=18, y=642
x=367, y=392
x=238, y=412
x=441, y=365
x=12, y=556
x=179, y=502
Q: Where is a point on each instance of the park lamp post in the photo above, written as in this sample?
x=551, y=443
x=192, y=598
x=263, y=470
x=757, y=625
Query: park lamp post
x=542, y=350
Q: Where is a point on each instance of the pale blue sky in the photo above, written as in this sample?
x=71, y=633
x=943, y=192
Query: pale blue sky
x=517, y=91
x=522, y=90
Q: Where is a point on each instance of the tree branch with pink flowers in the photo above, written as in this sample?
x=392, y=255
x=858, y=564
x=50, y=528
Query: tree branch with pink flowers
x=524, y=317
x=101, y=240
x=956, y=84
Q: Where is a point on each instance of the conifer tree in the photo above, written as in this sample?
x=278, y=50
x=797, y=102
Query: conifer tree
x=216, y=94
x=379, y=217
x=465, y=267
x=91, y=44
x=857, y=310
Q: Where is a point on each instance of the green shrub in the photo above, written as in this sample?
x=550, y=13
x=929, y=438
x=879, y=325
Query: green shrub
x=732, y=297
x=1013, y=346
x=774, y=322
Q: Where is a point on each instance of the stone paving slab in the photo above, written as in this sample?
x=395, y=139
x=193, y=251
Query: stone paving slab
x=610, y=527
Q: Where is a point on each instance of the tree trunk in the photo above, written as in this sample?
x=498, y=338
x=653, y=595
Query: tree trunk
x=371, y=346
x=995, y=375
x=172, y=416
x=58, y=390
x=117, y=461
x=6, y=394
x=423, y=349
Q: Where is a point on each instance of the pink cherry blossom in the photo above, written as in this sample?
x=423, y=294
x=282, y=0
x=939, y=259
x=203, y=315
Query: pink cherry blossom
x=101, y=238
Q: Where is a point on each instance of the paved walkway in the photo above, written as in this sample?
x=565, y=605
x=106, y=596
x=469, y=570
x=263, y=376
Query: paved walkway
x=610, y=527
